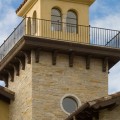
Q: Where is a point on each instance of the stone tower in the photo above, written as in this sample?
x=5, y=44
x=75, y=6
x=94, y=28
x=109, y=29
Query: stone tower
x=54, y=61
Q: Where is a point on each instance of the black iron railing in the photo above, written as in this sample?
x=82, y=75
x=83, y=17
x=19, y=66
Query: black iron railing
x=61, y=31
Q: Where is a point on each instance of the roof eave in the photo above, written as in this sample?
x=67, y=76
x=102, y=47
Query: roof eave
x=98, y=104
x=86, y=2
x=21, y=11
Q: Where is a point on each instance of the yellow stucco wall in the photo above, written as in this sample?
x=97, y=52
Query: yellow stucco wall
x=4, y=110
x=81, y=10
x=36, y=7
x=43, y=9
x=43, y=25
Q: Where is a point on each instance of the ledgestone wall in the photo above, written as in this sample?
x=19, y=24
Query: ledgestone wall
x=51, y=83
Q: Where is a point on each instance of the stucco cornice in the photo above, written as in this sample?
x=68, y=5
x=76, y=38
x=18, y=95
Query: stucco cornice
x=86, y=2
x=26, y=5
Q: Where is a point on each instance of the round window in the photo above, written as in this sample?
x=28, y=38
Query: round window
x=69, y=104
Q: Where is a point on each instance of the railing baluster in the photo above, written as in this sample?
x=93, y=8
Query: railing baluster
x=61, y=31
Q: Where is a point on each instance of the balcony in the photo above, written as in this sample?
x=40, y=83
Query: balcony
x=55, y=30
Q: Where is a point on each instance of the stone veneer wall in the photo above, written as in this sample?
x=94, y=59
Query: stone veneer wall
x=51, y=83
x=21, y=108
x=110, y=114
x=40, y=88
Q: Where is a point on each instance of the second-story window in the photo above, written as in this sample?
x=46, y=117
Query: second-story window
x=56, y=20
x=72, y=22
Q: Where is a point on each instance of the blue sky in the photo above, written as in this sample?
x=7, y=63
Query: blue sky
x=103, y=13
x=102, y=8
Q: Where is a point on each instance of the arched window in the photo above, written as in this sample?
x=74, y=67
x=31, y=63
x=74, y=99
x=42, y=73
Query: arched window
x=29, y=26
x=72, y=22
x=56, y=20
x=34, y=23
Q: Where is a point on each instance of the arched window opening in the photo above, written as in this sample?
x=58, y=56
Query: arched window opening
x=56, y=20
x=29, y=26
x=72, y=22
x=34, y=23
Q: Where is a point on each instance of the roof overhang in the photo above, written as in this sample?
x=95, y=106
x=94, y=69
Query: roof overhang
x=22, y=49
x=25, y=7
x=31, y=42
x=92, y=108
x=27, y=4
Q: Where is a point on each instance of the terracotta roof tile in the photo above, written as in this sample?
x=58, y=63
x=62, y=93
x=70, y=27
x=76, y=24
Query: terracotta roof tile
x=21, y=5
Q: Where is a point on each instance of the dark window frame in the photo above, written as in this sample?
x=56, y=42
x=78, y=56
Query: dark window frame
x=72, y=27
x=56, y=20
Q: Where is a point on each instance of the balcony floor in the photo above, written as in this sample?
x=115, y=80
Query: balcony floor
x=33, y=43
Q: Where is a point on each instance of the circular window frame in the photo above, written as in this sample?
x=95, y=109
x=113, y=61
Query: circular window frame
x=74, y=97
